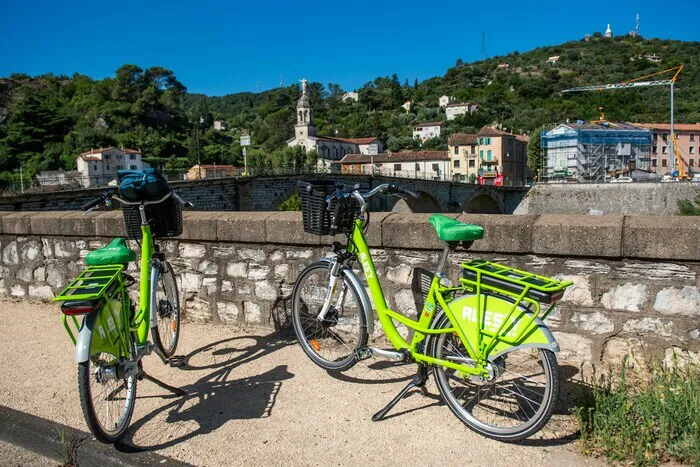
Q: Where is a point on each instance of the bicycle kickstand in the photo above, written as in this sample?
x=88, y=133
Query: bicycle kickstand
x=418, y=381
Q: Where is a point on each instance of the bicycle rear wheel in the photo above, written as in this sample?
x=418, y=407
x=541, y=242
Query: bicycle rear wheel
x=331, y=343
x=166, y=333
x=107, y=401
x=516, y=403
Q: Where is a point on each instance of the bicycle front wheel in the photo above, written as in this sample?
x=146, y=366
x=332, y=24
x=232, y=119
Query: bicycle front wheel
x=167, y=310
x=331, y=342
x=515, y=403
x=107, y=401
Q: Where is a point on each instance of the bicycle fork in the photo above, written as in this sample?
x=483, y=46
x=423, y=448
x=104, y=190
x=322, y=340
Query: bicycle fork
x=332, y=285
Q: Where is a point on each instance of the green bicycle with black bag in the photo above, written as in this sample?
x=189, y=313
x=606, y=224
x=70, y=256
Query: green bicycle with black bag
x=112, y=337
x=484, y=338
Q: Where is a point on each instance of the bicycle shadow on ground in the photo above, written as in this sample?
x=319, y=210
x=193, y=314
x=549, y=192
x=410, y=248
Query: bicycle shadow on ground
x=215, y=399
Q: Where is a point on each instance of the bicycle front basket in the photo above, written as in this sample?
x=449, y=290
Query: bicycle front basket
x=164, y=218
x=317, y=216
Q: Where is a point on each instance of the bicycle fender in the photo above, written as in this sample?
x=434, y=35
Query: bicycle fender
x=348, y=273
x=82, y=343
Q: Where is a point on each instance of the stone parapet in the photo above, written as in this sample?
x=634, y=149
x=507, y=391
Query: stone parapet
x=636, y=279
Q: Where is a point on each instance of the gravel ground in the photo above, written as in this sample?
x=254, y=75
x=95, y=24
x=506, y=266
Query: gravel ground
x=14, y=456
x=253, y=398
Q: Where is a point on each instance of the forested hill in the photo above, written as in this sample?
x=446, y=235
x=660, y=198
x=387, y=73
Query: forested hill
x=45, y=121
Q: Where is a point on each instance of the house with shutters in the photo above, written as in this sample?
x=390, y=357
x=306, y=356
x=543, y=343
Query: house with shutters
x=99, y=166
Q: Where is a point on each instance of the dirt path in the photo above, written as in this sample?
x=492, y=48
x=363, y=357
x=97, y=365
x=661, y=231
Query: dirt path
x=255, y=399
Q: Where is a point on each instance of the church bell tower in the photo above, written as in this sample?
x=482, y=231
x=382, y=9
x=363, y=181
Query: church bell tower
x=305, y=122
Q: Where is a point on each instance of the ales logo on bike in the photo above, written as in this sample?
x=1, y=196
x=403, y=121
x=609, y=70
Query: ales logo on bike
x=492, y=320
x=364, y=260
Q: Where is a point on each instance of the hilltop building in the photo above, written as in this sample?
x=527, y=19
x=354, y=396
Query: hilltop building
x=662, y=154
x=454, y=110
x=431, y=165
x=590, y=151
x=444, y=101
x=100, y=166
x=351, y=96
x=608, y=32
x=330, y=149
x=427, y=130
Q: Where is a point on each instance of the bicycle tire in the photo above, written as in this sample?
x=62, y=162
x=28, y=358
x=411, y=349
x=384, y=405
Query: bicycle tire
x=306, y=323
x=465, y=412
x=86, y=376
x=167, y=312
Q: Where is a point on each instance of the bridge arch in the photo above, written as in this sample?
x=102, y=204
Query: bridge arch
x=424, y=203
x=482, y=203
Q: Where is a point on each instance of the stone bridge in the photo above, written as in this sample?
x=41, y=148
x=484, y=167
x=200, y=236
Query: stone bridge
x=268, y=193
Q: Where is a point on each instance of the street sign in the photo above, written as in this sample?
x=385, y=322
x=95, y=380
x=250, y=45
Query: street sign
x=245, y=140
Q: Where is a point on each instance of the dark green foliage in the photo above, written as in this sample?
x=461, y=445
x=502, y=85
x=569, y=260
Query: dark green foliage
x=292, y=204
x=46, y=121
x=644, y=419
x=689, y=208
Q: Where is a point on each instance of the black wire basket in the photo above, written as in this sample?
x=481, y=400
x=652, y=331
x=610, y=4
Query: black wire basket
x=317, y=216
x=164, y=218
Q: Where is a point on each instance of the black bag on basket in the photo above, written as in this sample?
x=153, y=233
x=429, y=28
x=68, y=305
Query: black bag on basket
x=142, y=185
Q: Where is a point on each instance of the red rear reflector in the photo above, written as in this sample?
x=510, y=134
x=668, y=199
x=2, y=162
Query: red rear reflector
x=79, y=310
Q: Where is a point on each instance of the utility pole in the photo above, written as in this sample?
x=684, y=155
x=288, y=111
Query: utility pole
x=21, y=178
x=199, y=162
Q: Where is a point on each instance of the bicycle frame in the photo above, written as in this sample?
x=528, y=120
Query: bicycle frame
x=477, y=354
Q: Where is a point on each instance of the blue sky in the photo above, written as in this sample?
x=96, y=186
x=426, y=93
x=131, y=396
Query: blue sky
x=218, y=48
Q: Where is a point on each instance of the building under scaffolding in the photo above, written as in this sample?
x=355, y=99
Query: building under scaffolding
x=588, y=151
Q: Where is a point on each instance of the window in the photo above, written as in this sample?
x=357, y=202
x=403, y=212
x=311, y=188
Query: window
x=691, y=162
x=664, y=163
x=473, y=149
x=655, y=136
x=132, y=167
x=120, y=167
x=107, y=167
x=119, y=157
x=664, y=136
x=691, y=150
x=654, y=150
x=456, y=150
x=107, y=156
x=132, y=157
x=397, y=167
x=664, y=150
x=472, y=163
x=94, y=167
x=481, y=153
x=653, y=162
x=417, y=167
x=692, y=137
x=436, y=167
x=488, y=155
x=456, y=163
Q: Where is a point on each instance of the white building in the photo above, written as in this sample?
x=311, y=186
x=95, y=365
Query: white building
x=446, y=100
x=408, y=104
x=453, y=110
x=330, y=149
x=430, y=165
x=608, y=32
x=553, y=60
x=427, y=130
x=351, y=96
x=219, y=125
x=100, y=166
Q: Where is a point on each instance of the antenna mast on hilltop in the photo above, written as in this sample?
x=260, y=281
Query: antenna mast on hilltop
x=258, y=87
x=483, y=45
x=636, y=27
x=282, y=80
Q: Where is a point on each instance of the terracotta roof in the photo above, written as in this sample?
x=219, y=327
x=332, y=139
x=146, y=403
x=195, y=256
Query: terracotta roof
x=101, y=150
x=407, y=156
x=676, y=126
x=522, y=138
x=212, y=166
x=348, y=140
x=461, y=138
x=490, y=131
x=428, y=124
x=90, y=158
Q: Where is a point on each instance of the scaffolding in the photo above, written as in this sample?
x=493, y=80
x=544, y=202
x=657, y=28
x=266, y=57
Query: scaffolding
x=594, y=152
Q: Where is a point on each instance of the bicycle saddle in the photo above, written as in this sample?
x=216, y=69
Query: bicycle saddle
x=116, y=252
x=450, y=230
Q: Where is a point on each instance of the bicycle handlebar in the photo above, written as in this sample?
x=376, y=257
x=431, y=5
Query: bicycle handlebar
x=107, y=196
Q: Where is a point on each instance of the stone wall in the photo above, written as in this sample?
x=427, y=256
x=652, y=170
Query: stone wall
x=636, y=278
x=656, y=199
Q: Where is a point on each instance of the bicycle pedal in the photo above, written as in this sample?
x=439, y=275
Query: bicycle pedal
x=177, y=361
x=363, y=353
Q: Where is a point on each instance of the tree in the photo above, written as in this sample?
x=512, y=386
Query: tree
x=689, y=208
x=534, y=152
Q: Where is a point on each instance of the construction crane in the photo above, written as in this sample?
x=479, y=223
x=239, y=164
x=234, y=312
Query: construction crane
x=638, y=83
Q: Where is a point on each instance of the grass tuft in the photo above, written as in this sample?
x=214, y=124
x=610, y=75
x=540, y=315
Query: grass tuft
x=643, y=419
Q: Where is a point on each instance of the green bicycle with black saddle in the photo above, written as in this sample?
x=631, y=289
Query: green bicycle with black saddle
x=112, y=337
x=484, y=338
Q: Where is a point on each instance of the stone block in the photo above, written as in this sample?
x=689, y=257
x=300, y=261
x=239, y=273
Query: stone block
x=596, y=323
x=110, y=224
x=579, y=293
x=239, y=269
x=252, y=312
x=410, y=231
x=628, y=297
x=41, y=292
x=47, y=223
x=649, y=326
x=199, y=225
x=400, y=274
x=679, y=301
x=17, y=291
x=258, y=272
x=265, y=290
x=575, y=235
x=17, y=223
x=192, y=250
x=10, y=254
x=502, y=233
x=75, y=224
x=617, y=348
x=31, y=251
x=228, y=312
x=287, y=228
x=573, y=348
x=252, y=254
x=662, y=237
x=242, y=227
